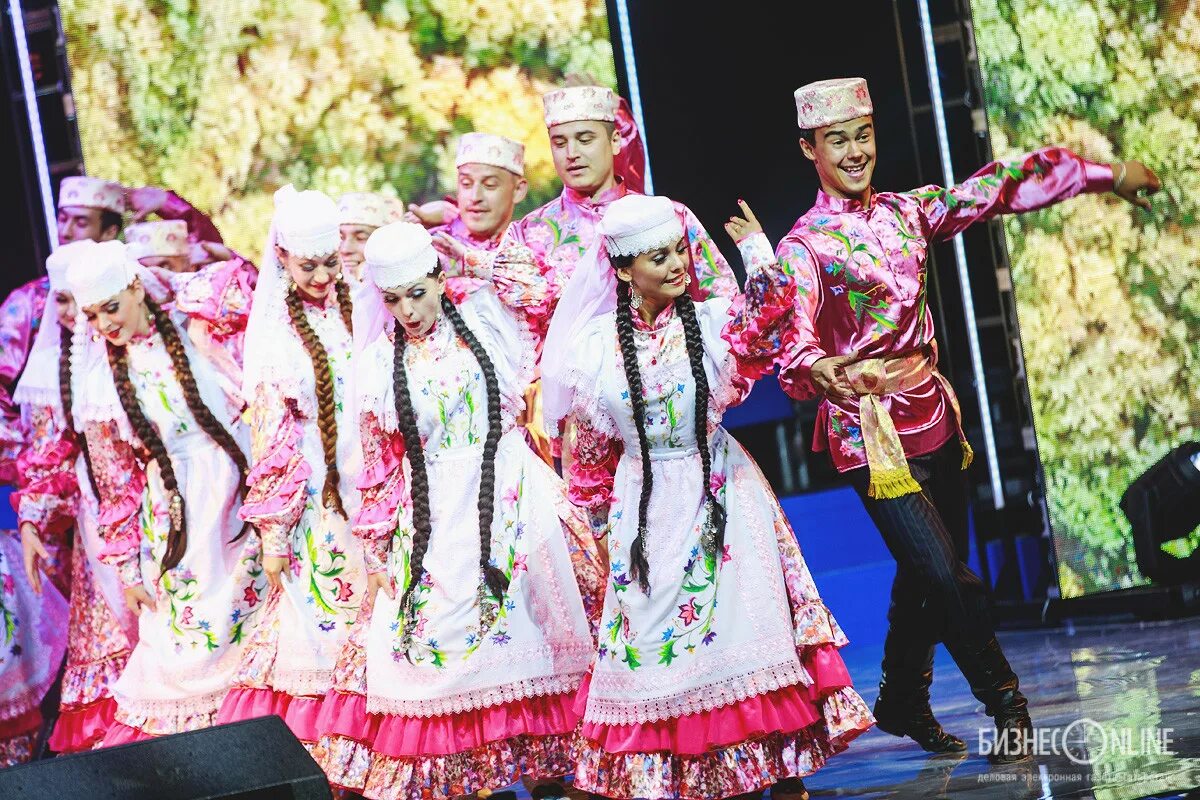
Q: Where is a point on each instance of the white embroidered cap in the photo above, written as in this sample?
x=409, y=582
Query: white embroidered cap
x=399, y=254
x=493, y=150
x=638, y=223
x=80, y=190
x=580, y=102
x=62, y=258
x=306, y=223
x=159, y=238
x=830, y=102
x=105, y=271
x=368, y=208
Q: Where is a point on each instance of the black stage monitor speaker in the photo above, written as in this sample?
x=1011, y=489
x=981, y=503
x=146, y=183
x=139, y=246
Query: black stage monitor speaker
x=255, y=760
x=1164, y=505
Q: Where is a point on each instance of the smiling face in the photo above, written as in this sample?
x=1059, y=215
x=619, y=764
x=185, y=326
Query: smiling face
x=583, y=154
x=122, y=316
x=416, y=306
x=314, y=277
x=486, y=197
x=350, y=250
x=844, y=155
x=65, y=309
x=659, y=276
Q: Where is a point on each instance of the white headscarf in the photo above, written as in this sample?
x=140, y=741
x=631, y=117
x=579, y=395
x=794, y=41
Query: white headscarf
x=39, y=381
x=631, y=225
x=305, y=224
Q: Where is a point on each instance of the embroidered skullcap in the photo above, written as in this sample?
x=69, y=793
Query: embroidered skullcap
x=832, y=101
x=493, y=150
x=158, y=238
x=368, y=208
x=398, y=254
x=578, y=103
x=105, y=271
x=638, y=223
x=306, y=223
x=81, y=190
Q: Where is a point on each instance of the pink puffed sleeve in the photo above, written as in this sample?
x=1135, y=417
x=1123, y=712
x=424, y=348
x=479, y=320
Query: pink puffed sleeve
x=1034, y=181
x=47, y=495
x=383, y=484
x=762, y=323
x=279, y=474
x=200, y=227
x=121, y=486
x=803, y=348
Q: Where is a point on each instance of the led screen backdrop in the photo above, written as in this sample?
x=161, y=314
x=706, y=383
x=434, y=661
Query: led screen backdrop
x=226, y=100
x=1108, y=297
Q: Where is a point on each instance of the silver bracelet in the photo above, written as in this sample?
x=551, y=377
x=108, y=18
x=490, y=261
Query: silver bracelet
x=1120, y=179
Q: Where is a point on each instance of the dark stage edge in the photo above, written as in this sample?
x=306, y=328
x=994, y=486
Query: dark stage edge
x=1136, y=676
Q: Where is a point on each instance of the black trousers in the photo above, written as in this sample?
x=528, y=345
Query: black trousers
x=935, y=595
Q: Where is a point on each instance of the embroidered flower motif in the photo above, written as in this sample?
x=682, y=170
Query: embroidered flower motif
x=688, y=612
x=250, y=596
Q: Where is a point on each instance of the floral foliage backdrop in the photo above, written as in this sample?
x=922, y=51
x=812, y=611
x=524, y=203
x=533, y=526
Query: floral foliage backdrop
x=226, y=100
x=1108, y=297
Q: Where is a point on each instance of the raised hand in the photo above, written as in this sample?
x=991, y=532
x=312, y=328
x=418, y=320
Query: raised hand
x=739, y=228
x=429, y=214
x=145, y=201
x=1131, y=179
x=450, y=247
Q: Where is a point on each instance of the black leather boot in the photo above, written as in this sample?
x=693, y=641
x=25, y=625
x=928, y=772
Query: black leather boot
x=994, y=684
x=903, y=706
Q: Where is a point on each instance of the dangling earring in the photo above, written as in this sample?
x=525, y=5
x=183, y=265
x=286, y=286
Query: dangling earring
x=338, y=278
x=687, y=279
x=635, y=298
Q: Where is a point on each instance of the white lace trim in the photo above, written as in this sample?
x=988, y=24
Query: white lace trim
x=302, y=682
x=475, y=699
x=695, y=700
x=664, y=234
x=319, y=243
x=176, y=709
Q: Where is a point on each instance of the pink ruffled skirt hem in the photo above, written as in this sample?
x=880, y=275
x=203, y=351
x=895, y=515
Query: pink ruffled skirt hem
x=79, y=729
x=299, y=713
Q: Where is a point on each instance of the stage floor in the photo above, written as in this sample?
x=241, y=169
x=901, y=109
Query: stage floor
x=1138, y=683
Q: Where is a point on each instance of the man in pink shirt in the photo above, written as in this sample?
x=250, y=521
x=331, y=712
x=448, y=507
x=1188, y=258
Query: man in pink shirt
x=888, y=418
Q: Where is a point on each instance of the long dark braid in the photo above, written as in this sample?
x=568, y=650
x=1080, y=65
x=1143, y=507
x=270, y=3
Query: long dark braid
x=639, y=565
x=118, y=358
x=695, y=349
x=492, y=577
x=66, y=396
x=326, y=404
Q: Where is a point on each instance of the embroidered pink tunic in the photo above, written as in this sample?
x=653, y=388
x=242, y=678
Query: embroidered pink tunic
x=862, y=285
x=463, y=708
x=217, y=299
x=726, y=678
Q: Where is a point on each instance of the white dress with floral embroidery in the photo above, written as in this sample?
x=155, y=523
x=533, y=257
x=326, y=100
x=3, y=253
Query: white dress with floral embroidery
x=463, y=707
x=742, y=629
x=288, y=666
x=190, y=645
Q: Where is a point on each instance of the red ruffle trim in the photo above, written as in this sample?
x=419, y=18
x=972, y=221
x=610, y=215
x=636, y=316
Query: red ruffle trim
x=423, y=737
x=80, y=728
x=299, y=713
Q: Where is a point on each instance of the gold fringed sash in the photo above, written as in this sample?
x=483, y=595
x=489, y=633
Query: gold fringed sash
x=875, y=377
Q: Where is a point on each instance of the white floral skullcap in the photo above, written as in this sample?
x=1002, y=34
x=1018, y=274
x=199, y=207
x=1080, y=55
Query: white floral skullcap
x=306, y=223
x=493, y=150
x=105, y=271
x=578, y=103
x=832, y=101
x=398, y=254
x=368, y=208
x=80, y=190
x=159, y=238
x=638, y=223
x=62, y=258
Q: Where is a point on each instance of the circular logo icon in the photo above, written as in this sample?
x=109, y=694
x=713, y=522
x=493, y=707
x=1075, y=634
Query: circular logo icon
x=1084, y=741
